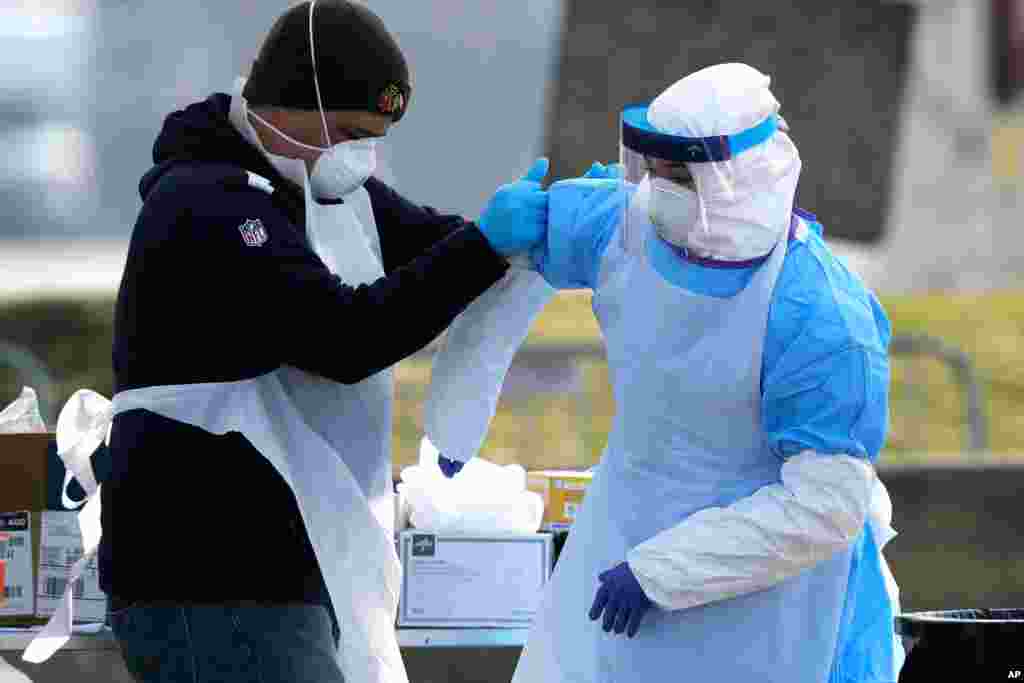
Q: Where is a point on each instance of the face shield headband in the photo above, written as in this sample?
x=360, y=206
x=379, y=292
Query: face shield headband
x=639, y=136
x=683, y=216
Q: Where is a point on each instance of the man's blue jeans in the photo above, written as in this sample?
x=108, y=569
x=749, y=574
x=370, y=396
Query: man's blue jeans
x=167, y=642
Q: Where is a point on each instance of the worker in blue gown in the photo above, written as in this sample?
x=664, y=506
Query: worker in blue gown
x=734, y=527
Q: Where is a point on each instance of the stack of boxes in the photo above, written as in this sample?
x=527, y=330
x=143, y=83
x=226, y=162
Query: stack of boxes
x=464, y=581
x=448, y=580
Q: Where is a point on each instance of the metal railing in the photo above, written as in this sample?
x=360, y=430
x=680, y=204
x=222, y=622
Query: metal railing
x=958, y=361
x=34, y=373
x=963, y=372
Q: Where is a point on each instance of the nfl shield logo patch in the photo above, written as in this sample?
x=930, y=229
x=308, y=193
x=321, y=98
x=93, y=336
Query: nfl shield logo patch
x=253, y=232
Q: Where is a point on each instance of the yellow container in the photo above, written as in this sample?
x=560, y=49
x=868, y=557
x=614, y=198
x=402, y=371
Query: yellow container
x=562, y=491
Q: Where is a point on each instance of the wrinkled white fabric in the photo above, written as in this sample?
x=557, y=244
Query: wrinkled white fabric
x=680, y=444
x=83, y=423
x=484, y=499
x=819, y=507
x=277, y=413
x=745, y=202
x=22, y=416
x=474, y=357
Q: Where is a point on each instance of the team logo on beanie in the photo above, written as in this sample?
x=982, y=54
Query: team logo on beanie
x=391, y=100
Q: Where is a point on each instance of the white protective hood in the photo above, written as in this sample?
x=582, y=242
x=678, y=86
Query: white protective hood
x=745, y=201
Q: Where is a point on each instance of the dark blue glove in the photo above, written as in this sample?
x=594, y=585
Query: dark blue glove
x=622, y=599
x=449, y=467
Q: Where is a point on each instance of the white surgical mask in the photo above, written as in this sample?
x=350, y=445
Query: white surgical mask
x=674, y=210
x=340, y=169
x=726, y=231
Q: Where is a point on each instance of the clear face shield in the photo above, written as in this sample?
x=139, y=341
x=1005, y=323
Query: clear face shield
x=679, y=178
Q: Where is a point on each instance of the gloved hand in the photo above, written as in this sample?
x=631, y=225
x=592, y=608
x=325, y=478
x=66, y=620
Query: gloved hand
x=516, y=217
x=449, y=467
x=622, y=599
x=605, y=172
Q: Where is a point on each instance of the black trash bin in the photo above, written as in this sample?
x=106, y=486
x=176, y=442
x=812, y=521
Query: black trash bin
x=963, y=645
x=559, y=537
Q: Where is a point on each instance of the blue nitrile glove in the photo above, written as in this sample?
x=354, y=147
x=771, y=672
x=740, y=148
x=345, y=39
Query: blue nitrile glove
x=449, y=467
x=622, y=599
x=516, y=217
x=605, y=171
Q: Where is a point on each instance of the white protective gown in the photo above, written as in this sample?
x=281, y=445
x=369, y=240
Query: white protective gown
x=687, y=443
x=681, y=444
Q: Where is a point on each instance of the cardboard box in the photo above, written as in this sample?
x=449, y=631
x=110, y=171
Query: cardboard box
x=60, y=546
x=563, y=492
x=41, y=548
x=44, y=536
x=24, y=470
x=472, y=581
x=22, y=555
x=32, y=476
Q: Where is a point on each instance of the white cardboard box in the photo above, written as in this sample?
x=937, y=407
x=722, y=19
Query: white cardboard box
x=472, y=581
x=59, y=548
x=17, y=591
x=35, y=589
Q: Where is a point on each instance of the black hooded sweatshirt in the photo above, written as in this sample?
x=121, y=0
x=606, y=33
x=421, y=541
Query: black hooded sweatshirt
x=194, y=517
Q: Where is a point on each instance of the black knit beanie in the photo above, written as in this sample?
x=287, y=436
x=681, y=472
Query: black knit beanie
x=359, y=64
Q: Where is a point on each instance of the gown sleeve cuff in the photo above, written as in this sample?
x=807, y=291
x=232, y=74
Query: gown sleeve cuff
x=819, y=508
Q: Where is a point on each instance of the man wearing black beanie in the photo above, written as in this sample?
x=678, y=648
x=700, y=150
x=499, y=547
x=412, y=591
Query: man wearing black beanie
x=270, y=285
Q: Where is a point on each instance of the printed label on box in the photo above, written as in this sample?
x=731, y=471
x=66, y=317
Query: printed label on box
x=17, y=588
x=61, y=547
x=423, y=545
x=472, y=581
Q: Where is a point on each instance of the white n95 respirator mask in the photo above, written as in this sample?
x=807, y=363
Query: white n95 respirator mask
x=674, y=210
x=339, y=169
x=343, y=168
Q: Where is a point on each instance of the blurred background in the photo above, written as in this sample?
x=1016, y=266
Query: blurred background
x=909, y=117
